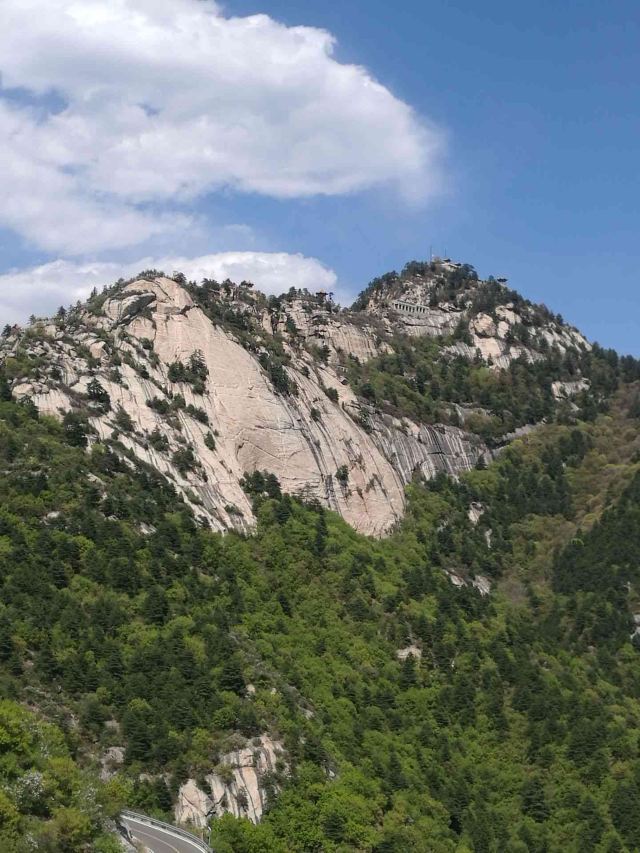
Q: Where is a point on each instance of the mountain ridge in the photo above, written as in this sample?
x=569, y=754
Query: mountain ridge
x=210, y=382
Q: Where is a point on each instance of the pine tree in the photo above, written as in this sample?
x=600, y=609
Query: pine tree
x=5, y=389
x=75, y=428
x=231, y=677
x=408, y=673
x=98, y=394
x=6, y=638
x=395, y=775
x=320, y=539
x=534, y=802
x=625, y=813
x=156, y=607
x=334, y=826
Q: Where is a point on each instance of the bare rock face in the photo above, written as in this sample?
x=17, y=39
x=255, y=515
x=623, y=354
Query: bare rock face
x=566, y=390
x=317, y=321
x=441, y=299
x=240, y=786
x=110, y=761
x=194, y=806
x=479, y=582
x=411, y=651
x=205, y=435
x=427, y=449
x=475, y=512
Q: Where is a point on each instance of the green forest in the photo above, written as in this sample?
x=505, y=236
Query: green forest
x=515, y=726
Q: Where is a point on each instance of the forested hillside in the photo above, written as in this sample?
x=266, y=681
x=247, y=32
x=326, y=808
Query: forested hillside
x=415, y=713
x=47, y=802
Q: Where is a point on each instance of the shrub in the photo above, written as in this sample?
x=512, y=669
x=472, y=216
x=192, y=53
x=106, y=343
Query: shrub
x=159, y=405
x=158, y=440
x=123, y=420
x=331, y=393
x=342, y=475
x=197, y=413
x=98, y=395
x=184, y=460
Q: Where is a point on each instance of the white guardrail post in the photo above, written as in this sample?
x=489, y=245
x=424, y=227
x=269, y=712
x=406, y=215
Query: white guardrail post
x=168, y=828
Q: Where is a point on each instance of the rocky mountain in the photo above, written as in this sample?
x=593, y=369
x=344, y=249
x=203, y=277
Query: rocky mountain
x=188, y=630
x=487, y=319
x=210, y=382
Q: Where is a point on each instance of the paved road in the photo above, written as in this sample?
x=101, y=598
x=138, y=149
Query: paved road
x=159, y=840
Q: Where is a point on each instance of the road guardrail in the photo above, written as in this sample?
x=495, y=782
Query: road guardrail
x=167, y=828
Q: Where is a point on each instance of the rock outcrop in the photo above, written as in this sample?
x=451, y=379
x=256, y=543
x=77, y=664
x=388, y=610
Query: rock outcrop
x=124, y=362
x=317, y=321
x=489, y=321
x=411, y=651
x=209, y=382
x=426, y=450
x=241, y=785
x=479, y=582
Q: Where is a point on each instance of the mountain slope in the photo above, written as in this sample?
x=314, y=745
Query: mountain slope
x=241, y=409
x=469, y=681
x=407, y=712
x=210, y=382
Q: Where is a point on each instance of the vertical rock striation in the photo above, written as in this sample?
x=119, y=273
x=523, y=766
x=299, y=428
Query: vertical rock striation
x=205, y=436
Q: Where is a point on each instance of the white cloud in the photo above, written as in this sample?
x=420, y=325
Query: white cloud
x=271, y=272
x=52, y=208
x=42, y=289
x=168, y=100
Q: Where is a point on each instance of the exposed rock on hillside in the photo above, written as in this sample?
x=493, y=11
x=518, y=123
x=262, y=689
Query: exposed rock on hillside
x=209, y=382
x=426, y=450
x=479, y=582
x=204, y=402
x=242, y=785
x=489, y=321
x=317, y=322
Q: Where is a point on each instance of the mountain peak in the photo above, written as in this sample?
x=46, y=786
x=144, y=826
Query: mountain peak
x=485, y=318
x=209, y=382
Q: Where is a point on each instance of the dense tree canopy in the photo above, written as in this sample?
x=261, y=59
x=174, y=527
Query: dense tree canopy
x=515, y=726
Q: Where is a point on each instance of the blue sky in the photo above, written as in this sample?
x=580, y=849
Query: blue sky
x=534, y=106
x=541, y=103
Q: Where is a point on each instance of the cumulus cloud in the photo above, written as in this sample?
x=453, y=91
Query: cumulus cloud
x=272, y=272
x=51, y=207
x=122, y=112
x=42, y=289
